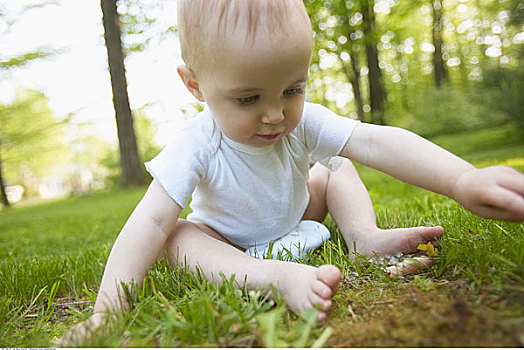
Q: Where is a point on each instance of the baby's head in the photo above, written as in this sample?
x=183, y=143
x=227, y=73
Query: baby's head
x=248, y=59
x=205, y=25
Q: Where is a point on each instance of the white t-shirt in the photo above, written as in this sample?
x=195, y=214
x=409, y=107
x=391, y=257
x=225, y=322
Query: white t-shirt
x=250, y=195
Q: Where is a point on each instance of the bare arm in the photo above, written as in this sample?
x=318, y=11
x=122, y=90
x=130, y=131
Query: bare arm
x=405, y=156
x=138, y=245
x=136, y=249
x=495, y=192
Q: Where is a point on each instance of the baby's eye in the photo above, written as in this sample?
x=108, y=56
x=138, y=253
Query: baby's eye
x=248, y=100
x=292, y=92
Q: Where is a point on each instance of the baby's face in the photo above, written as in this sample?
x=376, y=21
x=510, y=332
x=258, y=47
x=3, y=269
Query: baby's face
x=256, y=92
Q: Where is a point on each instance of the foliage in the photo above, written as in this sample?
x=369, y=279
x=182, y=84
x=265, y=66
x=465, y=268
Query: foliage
x=7, y=20
x=24, y=59
x=9, y=137
x=479, y=38
x=501, y=91
x=30, y=136
x=447, y=111
x=87, y=151
x=145, y=131
x=140, y=26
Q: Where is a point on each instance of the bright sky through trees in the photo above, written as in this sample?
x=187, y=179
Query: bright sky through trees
x=76, y=79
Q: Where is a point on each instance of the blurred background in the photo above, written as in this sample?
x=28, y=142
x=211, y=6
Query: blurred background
x=71, y=121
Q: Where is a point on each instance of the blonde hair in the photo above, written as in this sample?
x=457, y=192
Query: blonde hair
x=201, y=22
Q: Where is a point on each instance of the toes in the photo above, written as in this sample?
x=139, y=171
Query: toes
x=330, y=275
x=326, y=305
x=318, y=302
x=313, y=290
x=422, y=234
x=321, y=318
x=322, y=290
x=431, y=233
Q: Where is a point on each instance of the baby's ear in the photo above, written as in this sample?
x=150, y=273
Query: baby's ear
x=189, y=79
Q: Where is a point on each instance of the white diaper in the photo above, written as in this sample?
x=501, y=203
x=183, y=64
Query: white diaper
x=332, y=163
x=304, y=237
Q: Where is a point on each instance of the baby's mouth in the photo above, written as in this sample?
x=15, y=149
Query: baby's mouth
x=269, y=136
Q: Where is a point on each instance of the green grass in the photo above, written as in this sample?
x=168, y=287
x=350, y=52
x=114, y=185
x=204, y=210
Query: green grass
x=52, y=258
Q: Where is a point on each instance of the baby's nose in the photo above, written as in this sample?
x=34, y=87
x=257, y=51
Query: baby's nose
x=273, y=116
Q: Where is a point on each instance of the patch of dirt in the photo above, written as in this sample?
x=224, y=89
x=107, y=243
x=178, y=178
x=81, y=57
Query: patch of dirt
x=65, y=306
x=425, y=314
x=63, y=309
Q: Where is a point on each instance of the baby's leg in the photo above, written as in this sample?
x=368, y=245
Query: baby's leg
x=343, y=194
x=302, y=287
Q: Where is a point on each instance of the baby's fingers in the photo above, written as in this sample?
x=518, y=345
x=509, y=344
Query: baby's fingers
x=511, y=179
x=503, y=205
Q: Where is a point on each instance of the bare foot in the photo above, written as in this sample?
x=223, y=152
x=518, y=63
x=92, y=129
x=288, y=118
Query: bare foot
x=305, y=287
x=398, y=240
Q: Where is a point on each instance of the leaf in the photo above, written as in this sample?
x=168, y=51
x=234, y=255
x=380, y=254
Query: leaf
x=429, y=248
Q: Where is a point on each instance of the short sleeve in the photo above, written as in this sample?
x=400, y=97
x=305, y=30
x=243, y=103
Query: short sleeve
x=180, y=166
x=326, y=133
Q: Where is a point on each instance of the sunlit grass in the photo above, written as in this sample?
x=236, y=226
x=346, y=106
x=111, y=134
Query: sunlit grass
x=52, y=258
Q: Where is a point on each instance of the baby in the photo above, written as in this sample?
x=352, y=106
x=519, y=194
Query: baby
x=245, y=162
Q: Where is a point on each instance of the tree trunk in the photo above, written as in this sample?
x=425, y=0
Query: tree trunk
x=132, y=173
x=353, y=76
x=356, y=85
x=377, y=94
x=3, y=193
x=438, y=62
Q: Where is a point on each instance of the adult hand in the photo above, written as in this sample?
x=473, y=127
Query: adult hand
x=495, y=192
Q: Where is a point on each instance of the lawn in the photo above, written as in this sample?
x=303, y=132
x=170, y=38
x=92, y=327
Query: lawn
x=52, y=258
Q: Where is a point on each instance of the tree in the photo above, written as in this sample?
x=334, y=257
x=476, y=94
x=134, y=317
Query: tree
x=5, y=200
x=148, y=148
x=410, y=48
x=347, y=32
x=353, y=74
x=438, y=62
x=377, y=93
x=132, y=173
x=29, y=136
x=7, y=138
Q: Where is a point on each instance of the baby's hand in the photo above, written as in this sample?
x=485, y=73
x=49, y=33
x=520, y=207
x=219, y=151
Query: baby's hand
x=80, y=333
x=494, y=193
